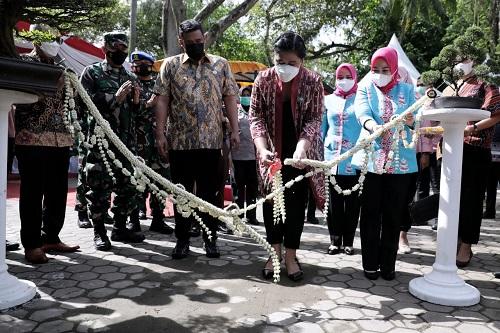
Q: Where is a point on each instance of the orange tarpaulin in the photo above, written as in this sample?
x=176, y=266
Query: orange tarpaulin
x=244, y=71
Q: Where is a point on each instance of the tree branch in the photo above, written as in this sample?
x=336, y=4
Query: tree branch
x=217, y=29
x=322, y=52
x=206, y=11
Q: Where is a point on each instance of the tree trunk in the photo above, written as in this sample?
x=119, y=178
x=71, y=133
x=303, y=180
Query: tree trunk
x=10, y=11
x=176, y=14
x=164, y=26
x=495, y=24
x=217, y=29
x=133, y=25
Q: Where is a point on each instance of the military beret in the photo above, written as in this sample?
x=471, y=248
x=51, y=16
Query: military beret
x=111, y=38
x=141, y=55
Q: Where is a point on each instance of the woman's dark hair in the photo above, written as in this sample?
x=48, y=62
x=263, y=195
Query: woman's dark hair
x=189, y=26
x=290, y=42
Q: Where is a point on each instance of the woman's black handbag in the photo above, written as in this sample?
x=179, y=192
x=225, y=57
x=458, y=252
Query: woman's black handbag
x=424, y=209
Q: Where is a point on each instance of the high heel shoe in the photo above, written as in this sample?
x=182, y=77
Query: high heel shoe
x=298, y=275
x=267, y=273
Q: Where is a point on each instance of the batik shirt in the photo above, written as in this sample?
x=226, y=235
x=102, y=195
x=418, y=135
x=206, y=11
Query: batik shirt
x=102, y=82
x=340, y=131
x=42, y=123
x=196, y=93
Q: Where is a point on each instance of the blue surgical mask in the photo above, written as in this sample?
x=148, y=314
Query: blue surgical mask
x=245, y=100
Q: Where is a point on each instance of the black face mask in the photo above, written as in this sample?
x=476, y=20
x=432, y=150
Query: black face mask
x=117, y=57
x=195, y=51
x=143, y=70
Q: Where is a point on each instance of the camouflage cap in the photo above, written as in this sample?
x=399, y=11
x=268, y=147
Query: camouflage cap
x=115, y=37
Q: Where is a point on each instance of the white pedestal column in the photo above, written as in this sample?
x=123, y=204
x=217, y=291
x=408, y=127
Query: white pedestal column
x=12, y=290
x=442, y=285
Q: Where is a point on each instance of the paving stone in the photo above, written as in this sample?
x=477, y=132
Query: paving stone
x=376, y=325
x=324, y=305
x=305, y=328
x=346, y=313
x=475, y=328
x=105, y=269
x=281, y=318
x=17, y=325
x=112, y=276
x=333, y=326
x=56, y=326
x=68, y=293
x=440, y=319
x=101, y=292
x=43, y=315
x=84, y=276
x=121, y=284
x=79, y=268
x=92, y=284
x=218, y=262
x=440, y=330
x=272, y=329
x=132, y=292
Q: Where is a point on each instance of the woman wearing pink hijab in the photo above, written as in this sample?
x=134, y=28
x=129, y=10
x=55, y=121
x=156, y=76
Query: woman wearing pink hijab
x=384, y=201
x=340, y=131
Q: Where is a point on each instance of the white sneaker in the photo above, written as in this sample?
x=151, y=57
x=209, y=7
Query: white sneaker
x=404, y=248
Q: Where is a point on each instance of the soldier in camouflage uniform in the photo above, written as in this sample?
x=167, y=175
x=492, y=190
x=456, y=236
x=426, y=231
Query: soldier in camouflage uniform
x=82, y=188
x=142, y=66
x=115, y=93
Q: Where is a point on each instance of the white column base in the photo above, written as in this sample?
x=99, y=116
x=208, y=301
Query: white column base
x=443, y=285
x=13, y=291
x=456, y=293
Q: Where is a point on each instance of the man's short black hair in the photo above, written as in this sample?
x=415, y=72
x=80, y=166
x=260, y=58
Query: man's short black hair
x=290, y=42
x=189, y=26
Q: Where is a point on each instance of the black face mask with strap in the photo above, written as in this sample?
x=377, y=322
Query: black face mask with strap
x=195, y=51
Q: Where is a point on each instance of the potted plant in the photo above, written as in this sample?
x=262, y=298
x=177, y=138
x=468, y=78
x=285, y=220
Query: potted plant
x=444, y=68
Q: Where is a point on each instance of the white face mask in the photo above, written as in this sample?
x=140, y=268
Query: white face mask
x=381, y=80
x=287, y=72
x=50, y=49
x=466, y=68
x=345, y=84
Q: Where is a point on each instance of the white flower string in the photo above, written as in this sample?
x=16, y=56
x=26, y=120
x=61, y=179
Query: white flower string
x=143, y=176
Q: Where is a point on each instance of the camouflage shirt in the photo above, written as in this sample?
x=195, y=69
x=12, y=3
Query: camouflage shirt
x=102, y=82
x=145, y=122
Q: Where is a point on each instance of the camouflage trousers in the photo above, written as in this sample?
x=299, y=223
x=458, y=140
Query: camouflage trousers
x=99, y=188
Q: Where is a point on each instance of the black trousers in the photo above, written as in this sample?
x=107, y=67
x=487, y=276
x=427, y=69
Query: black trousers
x=384, y=203
x=412, y=188
x=428, y=178
x=290, y=231
x=245, y=176
x=475, y=166
x=203, y=167
x=491, y=188
x=10, y=154
x=344, y=212
x=44, y=188
x=311, y=205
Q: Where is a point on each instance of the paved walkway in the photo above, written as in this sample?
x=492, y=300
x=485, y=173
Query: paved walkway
x=141, y=289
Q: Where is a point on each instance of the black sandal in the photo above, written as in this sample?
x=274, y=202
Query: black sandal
x=297, y=275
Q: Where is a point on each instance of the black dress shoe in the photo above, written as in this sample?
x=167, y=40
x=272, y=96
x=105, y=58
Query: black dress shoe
x=489, y=214
x=497, y=275
x=159, y=225
x=333, y=249
x=142, y=215
x=134, y=224
x=11, y=246
x=349, y=250
x=181, y=250
x=212, y=250
x=126, y=236
x=253, y=221
x=298, y=275
x=83, y=220
x=371, y=275
x=108, y=219
x=462, y=264
x=195, y=231
x=101, y=242
x=313, y=220
x=388, y=276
